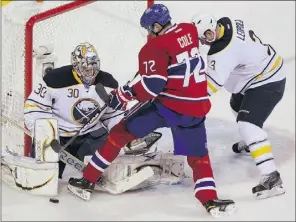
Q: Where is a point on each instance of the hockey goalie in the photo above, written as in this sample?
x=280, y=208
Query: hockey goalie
x=63, y=102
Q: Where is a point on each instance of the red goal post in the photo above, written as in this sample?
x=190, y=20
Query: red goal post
x=12, y=94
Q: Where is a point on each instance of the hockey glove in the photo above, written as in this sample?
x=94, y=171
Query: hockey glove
x=120, y=97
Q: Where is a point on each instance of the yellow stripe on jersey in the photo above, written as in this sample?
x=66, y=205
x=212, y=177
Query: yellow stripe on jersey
x=276, y=64
x=212, y=88
x=76, y=77
x=28, y=106
x=261, y=151
x=31, y=106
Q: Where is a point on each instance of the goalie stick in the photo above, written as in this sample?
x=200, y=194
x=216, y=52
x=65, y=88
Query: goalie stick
x=55, y=145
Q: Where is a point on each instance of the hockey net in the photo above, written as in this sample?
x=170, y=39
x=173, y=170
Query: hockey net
x=112, y=26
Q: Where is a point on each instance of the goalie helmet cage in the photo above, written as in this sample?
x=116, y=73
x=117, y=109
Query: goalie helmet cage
x=111, y=26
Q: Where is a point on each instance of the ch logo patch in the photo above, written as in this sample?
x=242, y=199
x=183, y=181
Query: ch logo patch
x=84, y=110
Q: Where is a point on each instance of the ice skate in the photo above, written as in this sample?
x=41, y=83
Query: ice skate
x=240, y=146
x=220, y=208
x=269, y=186
x=81, y=187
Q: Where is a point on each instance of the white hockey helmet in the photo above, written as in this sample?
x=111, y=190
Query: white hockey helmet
x=203, y=23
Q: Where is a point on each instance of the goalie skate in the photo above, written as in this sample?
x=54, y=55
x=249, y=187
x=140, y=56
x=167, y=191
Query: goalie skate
x=269, y=186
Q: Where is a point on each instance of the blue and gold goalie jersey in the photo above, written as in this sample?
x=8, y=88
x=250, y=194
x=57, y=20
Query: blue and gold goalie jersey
x=62, y=95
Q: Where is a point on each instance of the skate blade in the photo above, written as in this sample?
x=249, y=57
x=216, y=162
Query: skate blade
x=275, y=191
x=83, y=194
x=229, y=209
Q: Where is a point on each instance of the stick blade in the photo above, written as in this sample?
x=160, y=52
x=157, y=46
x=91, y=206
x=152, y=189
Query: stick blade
x=55, y=145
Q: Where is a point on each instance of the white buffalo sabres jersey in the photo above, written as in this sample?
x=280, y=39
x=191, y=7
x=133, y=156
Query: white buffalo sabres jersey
x=62, y=95
x=239, y=60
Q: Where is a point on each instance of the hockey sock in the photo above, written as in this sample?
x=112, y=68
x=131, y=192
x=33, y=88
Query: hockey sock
x=105, y=155
x=263, y=157
x=205, y=188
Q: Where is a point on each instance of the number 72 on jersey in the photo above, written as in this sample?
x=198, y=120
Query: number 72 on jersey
x=191, y=59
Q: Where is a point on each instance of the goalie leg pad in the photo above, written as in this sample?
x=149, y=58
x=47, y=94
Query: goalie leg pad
x=24, y=174
x=168, y=169
x=172, y=169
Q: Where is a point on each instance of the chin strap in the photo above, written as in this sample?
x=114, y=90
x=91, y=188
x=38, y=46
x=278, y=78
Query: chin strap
x=157, y=33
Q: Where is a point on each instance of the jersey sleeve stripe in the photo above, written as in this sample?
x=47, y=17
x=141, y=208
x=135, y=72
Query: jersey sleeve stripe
x=35, y=107
x=176, y=77
x=153, y=85
x=179, y=69
x=184, y=98
x=211, y=89
x=214, y=81
x=276, y=64
x=34, y=101
x=147, y=89
x=27, y=106
x=37, y=112
x=156, y=77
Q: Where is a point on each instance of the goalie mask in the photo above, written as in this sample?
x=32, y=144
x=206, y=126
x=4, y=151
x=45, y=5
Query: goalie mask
x=86, y=63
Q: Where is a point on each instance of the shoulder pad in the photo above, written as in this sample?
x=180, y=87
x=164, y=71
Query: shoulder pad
x=225, y=40
x=60, y=77
x=106, y=79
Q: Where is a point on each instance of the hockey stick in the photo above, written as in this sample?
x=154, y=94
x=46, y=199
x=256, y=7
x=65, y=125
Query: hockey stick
x=55, y=145
x=76, y=164
x=106, y=185
x=27, y=132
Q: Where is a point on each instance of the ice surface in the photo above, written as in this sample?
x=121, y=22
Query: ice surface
x=235, y=174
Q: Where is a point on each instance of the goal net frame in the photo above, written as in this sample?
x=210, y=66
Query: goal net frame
x=29, y=40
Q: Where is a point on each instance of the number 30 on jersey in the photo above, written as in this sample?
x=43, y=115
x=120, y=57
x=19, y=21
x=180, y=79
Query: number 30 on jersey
x=186, y=57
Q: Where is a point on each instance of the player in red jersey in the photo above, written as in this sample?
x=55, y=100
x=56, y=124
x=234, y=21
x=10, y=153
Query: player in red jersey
x=171, y=89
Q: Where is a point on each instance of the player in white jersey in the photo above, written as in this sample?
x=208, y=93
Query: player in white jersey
x=68, y=93
x=65, y=102
x=252, y=72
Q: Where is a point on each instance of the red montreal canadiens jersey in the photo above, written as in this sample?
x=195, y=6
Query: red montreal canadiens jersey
x=173, y=72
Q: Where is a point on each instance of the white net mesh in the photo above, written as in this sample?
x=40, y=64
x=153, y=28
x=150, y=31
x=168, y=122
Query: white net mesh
x=112, y=26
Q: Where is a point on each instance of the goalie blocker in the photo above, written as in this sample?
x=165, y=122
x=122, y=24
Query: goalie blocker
x=37, y=176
